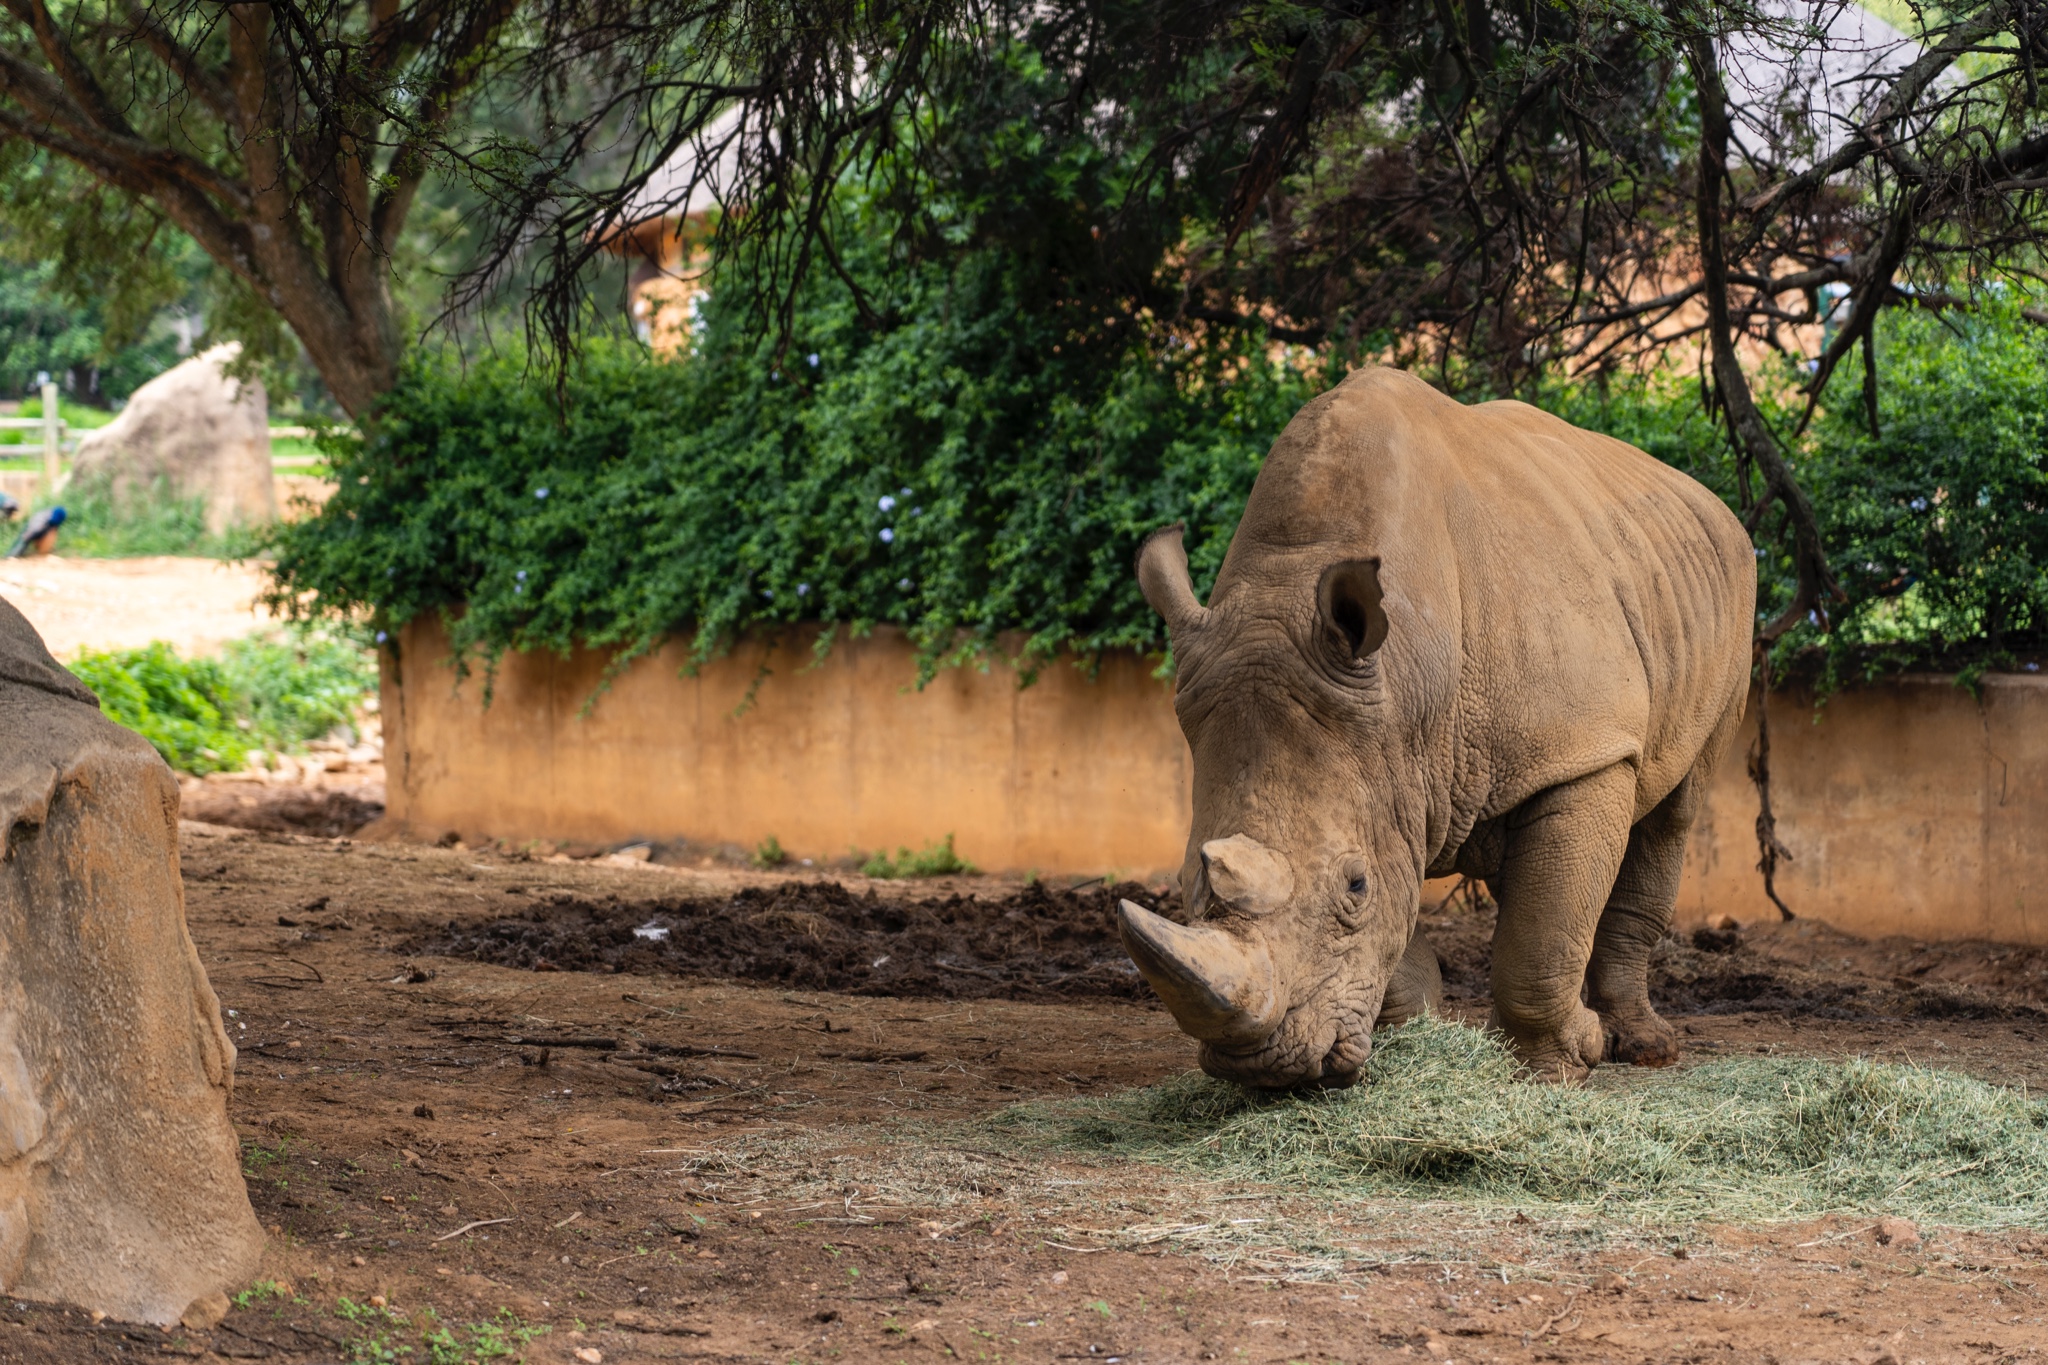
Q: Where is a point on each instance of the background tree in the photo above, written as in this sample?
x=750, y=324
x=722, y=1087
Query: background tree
x=1498, y=192
x=289, y=142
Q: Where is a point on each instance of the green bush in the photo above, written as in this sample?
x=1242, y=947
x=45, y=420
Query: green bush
x=976, y=461
x=770, y=853
x=973, y=466
x=1936, y=526
x=269, y=692
x=99, y=526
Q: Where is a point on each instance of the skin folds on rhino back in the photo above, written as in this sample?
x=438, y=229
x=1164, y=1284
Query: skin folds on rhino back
x=1557, y=600
x=1443, y=638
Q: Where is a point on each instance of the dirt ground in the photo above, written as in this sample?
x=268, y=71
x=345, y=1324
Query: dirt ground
x=477, y=1104
x=196, y=604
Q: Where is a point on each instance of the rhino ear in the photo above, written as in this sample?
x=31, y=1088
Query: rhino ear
x=1163, y=578
x=1348, y=600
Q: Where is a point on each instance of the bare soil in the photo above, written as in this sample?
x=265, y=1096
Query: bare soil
x=729, y=1143
x=196, y=604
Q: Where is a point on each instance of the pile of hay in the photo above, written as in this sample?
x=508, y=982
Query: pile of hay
x=1441, y=1114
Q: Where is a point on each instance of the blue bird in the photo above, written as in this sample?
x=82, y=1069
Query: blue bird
x=39, y=537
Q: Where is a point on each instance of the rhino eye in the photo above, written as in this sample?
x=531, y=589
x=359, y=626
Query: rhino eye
x=1357, y=886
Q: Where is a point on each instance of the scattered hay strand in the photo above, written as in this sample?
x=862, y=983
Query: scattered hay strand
x=1441, y=1114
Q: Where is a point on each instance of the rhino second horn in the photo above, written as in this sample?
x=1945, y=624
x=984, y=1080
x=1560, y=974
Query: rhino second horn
x=1219, y=988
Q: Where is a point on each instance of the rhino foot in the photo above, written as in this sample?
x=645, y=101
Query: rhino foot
x=1643, y=1040
x=1563, y=1056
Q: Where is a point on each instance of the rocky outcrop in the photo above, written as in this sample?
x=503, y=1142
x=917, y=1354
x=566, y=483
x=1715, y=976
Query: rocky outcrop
x=191, y=432
x=120, y=1176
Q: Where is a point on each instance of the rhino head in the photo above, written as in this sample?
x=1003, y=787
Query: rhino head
x=1304, y=863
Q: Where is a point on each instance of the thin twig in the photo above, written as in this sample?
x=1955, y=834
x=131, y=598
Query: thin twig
x=472, y=1227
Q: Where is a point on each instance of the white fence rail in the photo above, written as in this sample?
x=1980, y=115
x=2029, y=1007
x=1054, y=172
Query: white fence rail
x=51, y=424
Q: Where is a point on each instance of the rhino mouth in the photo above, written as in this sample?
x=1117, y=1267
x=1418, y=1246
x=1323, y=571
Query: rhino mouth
x=1224, y=990
x=1312, y=1049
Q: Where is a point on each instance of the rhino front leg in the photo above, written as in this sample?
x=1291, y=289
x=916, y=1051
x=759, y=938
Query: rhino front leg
x=1417, y=986
x=1563, y=849
x=1639, y=913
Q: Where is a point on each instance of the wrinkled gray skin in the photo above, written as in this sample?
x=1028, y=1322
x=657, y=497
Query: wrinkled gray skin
x=1445, y=639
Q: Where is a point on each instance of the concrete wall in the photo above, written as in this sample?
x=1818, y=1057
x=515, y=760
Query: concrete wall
x=829, y=756
x=1910, y=807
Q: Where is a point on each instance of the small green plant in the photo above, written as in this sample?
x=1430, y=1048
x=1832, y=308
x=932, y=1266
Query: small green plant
x=933, y=860
x=256, y=1157
x=500, y=1338
x=377, y=1344
x=259, y=1291
x=770, y=853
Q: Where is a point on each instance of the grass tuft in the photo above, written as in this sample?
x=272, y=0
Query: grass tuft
x=933, y=860
x=1442, y=1114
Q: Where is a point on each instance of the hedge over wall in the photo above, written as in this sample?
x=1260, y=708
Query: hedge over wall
x=981, y=465
x=971, y=471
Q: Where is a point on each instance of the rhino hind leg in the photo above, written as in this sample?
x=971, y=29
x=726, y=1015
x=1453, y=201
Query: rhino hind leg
x=1563, y=849
x=1638, y=913
x=1417, y=986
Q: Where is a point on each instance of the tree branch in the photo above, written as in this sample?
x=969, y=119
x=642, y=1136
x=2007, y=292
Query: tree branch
x=1754, y=442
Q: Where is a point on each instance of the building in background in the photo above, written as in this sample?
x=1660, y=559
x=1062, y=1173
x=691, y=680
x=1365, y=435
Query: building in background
x=668, y=240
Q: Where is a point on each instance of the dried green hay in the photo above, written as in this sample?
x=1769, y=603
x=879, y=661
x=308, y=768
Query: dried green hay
x=1442, y=1115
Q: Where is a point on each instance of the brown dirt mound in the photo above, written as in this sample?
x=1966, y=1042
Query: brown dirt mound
x=1801, y=969
x=324, y=813
x=1037, y=944
x=1040, y=943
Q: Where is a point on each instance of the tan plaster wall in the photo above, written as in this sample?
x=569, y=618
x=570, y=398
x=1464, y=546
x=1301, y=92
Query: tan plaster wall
x=830, y=756
x=1911, y=807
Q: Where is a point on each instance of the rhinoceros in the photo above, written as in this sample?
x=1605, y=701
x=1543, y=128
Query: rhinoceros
x=1444, y=639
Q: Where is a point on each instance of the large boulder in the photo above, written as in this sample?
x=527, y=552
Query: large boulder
x=120, y=1176
x=195, y=432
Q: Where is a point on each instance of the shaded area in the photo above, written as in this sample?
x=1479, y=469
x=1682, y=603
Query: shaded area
x=1806, y=968
x=1039, y=943
x=325, y=813
x=1044, y=943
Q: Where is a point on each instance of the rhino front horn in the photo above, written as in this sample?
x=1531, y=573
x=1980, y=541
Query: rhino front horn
x=1220, y=988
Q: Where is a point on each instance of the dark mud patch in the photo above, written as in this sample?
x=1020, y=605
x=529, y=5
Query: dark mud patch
x=1038, y=944
x=321, y=813
x=1800, y=970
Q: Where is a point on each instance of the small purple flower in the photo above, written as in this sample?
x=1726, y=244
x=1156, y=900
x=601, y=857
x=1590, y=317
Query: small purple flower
x=813, y=358
x=541, y=493
x=803, y=590
x=382, y=637
x=888, y=534
x=903, y=584
x=886, y=503
x=521, y=575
